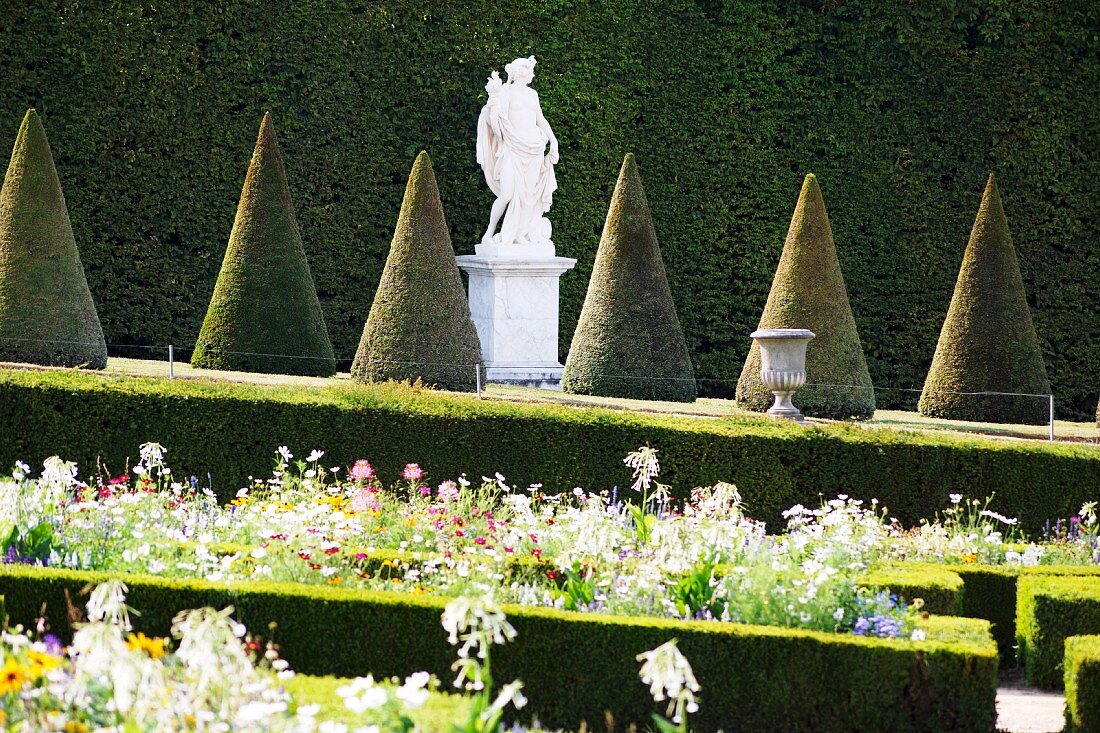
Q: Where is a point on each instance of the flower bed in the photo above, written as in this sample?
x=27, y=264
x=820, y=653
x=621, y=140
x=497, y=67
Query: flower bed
x=1082, y=678
x=579, y=551
x=575, y=665
x=228, y=430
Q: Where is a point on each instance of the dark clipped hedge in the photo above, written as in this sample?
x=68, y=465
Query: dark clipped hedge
x=577, y=666
x=903, y=107
x=230, y=431
x=1083, y=684
x=1050, y=610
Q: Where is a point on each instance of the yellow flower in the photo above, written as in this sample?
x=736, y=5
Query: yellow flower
x=76, y=727
x=139, y=642
x=13, y=676
x=41, y=663
x=969, y=558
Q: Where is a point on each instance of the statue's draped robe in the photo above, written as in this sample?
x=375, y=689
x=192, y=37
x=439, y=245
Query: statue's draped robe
x=519, y=150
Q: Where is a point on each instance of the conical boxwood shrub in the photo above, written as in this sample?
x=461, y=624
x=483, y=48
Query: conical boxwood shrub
x=988, y=343
x=419, y=326
x=264, y=315
x=46, y=311
x=808, y=292
x=628, y=341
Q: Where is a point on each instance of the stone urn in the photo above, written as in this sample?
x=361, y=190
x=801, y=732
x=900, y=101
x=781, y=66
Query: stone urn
x=783, y=366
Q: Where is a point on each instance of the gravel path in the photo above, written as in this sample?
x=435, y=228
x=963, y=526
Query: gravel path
x=1027, y=710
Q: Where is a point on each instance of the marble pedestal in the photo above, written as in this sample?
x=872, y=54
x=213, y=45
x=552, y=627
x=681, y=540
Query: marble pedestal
x=514, y=304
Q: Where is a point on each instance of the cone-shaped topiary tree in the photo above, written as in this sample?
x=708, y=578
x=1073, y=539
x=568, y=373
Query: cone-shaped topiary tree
x=419, y=327
x=46, y=311
x=264, y=315
x=808, y=292
x=628, y=341
x=988, y=343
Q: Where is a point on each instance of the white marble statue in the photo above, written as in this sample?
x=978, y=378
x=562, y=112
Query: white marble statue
x=512, y=135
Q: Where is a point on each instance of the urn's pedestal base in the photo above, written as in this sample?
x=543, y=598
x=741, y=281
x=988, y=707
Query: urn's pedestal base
x=514, y=304
x=784, y=410
x=784, y=414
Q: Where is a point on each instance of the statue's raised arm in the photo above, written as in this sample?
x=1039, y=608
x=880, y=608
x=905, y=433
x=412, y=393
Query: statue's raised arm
x=512, y=138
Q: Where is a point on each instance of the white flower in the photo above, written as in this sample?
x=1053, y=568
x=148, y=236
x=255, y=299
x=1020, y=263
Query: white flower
x=315, y=456
x=107, y=603
x=362, y=695
x=476, y=622
x=645, y=465
x=999, y=517
x=918, y=635
x=955, y=498
x=414, y=692
x=285, y=453
x=668, y=673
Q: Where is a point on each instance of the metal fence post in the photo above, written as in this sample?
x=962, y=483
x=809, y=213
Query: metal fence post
x=477, y=377
x=171, y=361
x=1052, y=417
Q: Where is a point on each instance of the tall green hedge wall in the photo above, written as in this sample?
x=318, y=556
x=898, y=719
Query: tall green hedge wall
x=900, y=108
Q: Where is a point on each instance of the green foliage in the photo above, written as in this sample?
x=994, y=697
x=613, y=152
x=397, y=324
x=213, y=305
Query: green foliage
x=808, y=292
x=577, y=666
x=988, y=343
x=419, y=327
x=46, y=311
x=940, y=589
x=231, y=430
x=628, y=342
x=33, y=546
x=1049, y=610
x=264, y=315
x=1082, y=684
x=903, y=107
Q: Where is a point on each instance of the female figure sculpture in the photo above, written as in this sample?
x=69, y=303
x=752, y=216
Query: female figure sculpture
x=512, y=135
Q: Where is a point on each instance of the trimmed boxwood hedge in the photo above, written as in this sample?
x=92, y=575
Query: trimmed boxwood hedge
x=231, y=431
x=1049, y=610
x=988, y=592
x=1082, y=684
x=577, y=666
x=940, y=589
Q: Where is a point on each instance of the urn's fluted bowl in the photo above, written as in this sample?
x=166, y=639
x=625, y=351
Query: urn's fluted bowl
x=783, y=366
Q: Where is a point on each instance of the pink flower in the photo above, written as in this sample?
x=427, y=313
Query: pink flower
x=425, y=491
x=361, y=502
x=448, y=491
x=413, y=472
x=361, y=471
x=479, y=540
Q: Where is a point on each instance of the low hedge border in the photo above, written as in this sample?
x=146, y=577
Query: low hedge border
x=231, y=431
x=1082, y=681
x=940, y=589
x=1049, y=610
x=577, y=666
x=988, y=591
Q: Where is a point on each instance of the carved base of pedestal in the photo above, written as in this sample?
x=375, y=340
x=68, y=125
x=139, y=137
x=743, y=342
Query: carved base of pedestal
x=526, y=375
x=514, y=305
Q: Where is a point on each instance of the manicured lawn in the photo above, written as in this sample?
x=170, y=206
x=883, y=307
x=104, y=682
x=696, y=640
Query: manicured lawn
x=703, y=408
